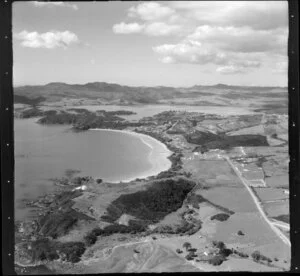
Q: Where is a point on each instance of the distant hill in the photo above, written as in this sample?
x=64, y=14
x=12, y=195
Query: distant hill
x=56, y=91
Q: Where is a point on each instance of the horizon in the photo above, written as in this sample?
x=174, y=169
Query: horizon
x=175, y=44
x=137, y=86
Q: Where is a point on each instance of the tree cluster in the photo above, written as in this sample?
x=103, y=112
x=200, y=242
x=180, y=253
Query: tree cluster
x=151, y=205
x=220, y=217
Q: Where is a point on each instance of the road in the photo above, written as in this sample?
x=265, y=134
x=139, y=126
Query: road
x=258, y=205
x=281, y=224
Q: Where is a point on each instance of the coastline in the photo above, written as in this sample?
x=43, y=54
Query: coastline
x=160, y=161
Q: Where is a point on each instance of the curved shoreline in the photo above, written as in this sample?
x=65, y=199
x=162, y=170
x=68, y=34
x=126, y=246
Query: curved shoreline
x=156, y=165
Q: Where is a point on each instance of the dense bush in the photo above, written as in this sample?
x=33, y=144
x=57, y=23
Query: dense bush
x=25, y=100
x=220, y=217
x=48, y=250
x=72, y=251
x=33, y=112
x=187, y=245
x=120, y=112
x=210, y=141
x=84, y=119
x=257, y=256
x=223, y=251
x=216, y=260
x=219, y=244
x=97, y=231
x=191, y=256
x=90, y=238
x=50, y=112
x=151, y=205
x=133, y=227
x=59, y=118
x=195, y=200
x=240, y=254
x=43, y=249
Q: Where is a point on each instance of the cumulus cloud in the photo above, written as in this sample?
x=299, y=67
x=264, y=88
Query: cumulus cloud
x=157, y=20
x=190, y=51
x=55, y=4
x=242, y=39
x=150, y=11
x=130, y=28
x=48, y=40
x=187, y=51
x=260, y=15
x=236, y=36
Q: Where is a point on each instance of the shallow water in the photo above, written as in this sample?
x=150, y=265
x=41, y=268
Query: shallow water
x=46, y=152
x=150, y=110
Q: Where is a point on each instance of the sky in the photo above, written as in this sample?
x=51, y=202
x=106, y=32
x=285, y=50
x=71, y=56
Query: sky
x=174, y=43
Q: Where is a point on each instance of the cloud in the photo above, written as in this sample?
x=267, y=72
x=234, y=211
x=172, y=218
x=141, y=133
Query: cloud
x=237, y=69
x=187, y=51
x=235, y=36
x=55, y=4
x=193, y=52
x=259, y=15
x=157, y=20
x=48, y=40
x=131, y=28
x=242, y=39
x=150, y=11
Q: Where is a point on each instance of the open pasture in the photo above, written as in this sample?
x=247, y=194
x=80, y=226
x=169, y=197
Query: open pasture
x=269, y=194
x=274, y=209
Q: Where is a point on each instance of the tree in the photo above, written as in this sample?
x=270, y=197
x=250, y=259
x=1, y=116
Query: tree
x=216, y=260
x=187, y=245
x=219, y=244
x=90, y=238
x=256, y=255
x=240, y=233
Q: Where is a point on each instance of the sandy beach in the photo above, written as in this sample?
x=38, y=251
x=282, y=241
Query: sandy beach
x=158, y=156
